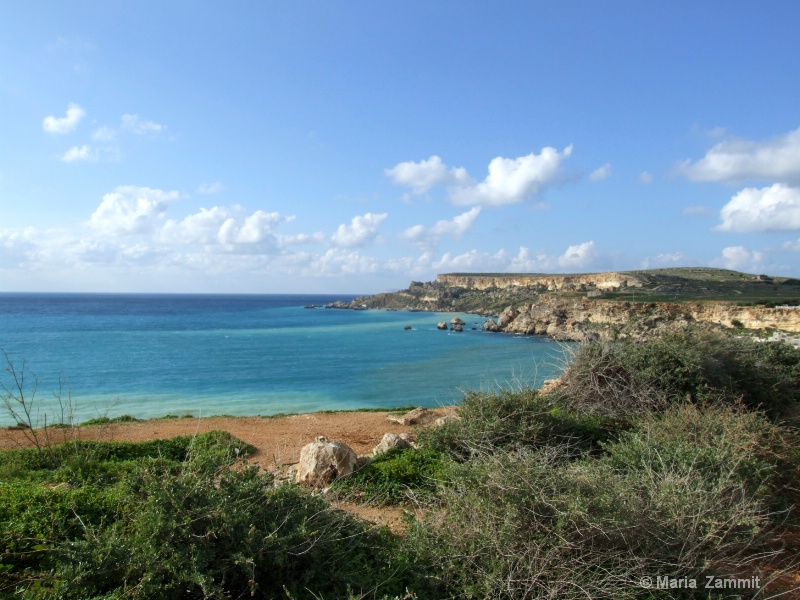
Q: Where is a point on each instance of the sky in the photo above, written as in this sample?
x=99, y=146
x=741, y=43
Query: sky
x=354, y=146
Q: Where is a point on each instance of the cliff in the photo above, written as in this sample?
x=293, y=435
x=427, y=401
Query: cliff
x=580, y=283
x=587, y=306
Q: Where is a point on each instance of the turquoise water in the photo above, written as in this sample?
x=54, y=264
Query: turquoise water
x=151, y=355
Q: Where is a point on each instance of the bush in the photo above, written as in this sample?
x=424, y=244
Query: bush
x=512, y=419
x=626, y=378
x=186, y=529
x=687, y=492
x=395, y=477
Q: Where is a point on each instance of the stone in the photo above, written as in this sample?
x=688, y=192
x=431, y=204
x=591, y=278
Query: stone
x=392, y=440
x=323, y=461
x=457, y=321
x=441, y=325
x=446, y=419
x=491, y=325
x=418, y=416
x=407, y=327
x=457, y=327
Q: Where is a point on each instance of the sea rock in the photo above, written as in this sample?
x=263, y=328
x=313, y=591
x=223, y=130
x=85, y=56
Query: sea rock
x=457, y=327
x=457, y=321
x=491, y=325
x=323, y=461
x=507, y=316
x=392, y=440
x=418, y=416
x=407, y=328
x=441, y=325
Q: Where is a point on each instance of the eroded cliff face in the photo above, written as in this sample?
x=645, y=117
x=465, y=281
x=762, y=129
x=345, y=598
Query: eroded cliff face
x=582, y=319
x=592, y=281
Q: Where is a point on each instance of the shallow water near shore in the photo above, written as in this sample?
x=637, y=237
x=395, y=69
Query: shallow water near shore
x=152, y=355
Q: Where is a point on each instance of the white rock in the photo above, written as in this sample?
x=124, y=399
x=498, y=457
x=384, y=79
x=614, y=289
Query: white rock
x=392, y=440
x=322, y=461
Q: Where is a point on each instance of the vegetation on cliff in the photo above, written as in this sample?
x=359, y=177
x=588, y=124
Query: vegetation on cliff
x=678, y=457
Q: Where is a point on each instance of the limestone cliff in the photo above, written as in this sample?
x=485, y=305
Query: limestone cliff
x=580, y=282
x=586, y=306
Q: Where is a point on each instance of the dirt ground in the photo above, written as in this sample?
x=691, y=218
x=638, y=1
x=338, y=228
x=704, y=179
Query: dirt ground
x=277, y=440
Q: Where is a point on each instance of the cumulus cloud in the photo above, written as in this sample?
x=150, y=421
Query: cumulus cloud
x=738, y=159
x=739, y=258
x=426, y=174
x=774, y=208
x=200, y=228
x=104, y=134
x=455, y=228
x=79, y=154
x=601, y=173
x=579, y=256
x=130, y=209
x=361, y=230
x=65, y=124
x=512, y=180
x=139, y=126
x=210, y=188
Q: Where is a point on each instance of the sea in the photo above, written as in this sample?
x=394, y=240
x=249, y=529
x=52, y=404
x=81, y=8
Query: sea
x=152, y=355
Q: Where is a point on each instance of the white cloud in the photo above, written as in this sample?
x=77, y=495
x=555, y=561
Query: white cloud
x=104, y=134
x=579, y=256
x=794, y=246
x=524, y=262
x=210, y=188
x=422, y=176
x=199, y=228
x=645, y=178
x=65, y=124
x=338, y=262
x=130, y=209
x=774, y=208
x=669, y=259
x=455, y=228
x=139, y=126
x=601, y=173
x=739, y=258
x=79, y=154
x=361, y=230
x=737, y=159
x=512, y=180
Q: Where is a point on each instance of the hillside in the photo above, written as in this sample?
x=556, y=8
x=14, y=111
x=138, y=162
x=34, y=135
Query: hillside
x=577, y=306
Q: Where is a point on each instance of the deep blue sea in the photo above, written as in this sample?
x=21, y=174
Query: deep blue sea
x=152, y=355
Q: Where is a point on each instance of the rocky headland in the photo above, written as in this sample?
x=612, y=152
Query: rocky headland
x=591, y=306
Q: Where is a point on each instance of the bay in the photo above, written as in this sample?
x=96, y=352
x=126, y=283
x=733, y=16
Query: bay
x=152, y=355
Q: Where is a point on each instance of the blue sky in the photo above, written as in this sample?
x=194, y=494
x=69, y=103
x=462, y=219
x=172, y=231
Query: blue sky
x=351, y=147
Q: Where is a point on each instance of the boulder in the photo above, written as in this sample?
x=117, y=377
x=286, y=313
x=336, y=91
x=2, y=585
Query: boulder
x=507, y=316
x=446, y=419
x=322, y=461
x=491, y=325
x=441, y=325
x=392, y=440
x=457, y=327
x=418, y=416
x=457, y=321
x=407, y=327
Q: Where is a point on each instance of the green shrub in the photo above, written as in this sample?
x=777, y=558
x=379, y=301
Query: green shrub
x=512, y=419
x=626, y=378
x=687, y=492
x=395, y=477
